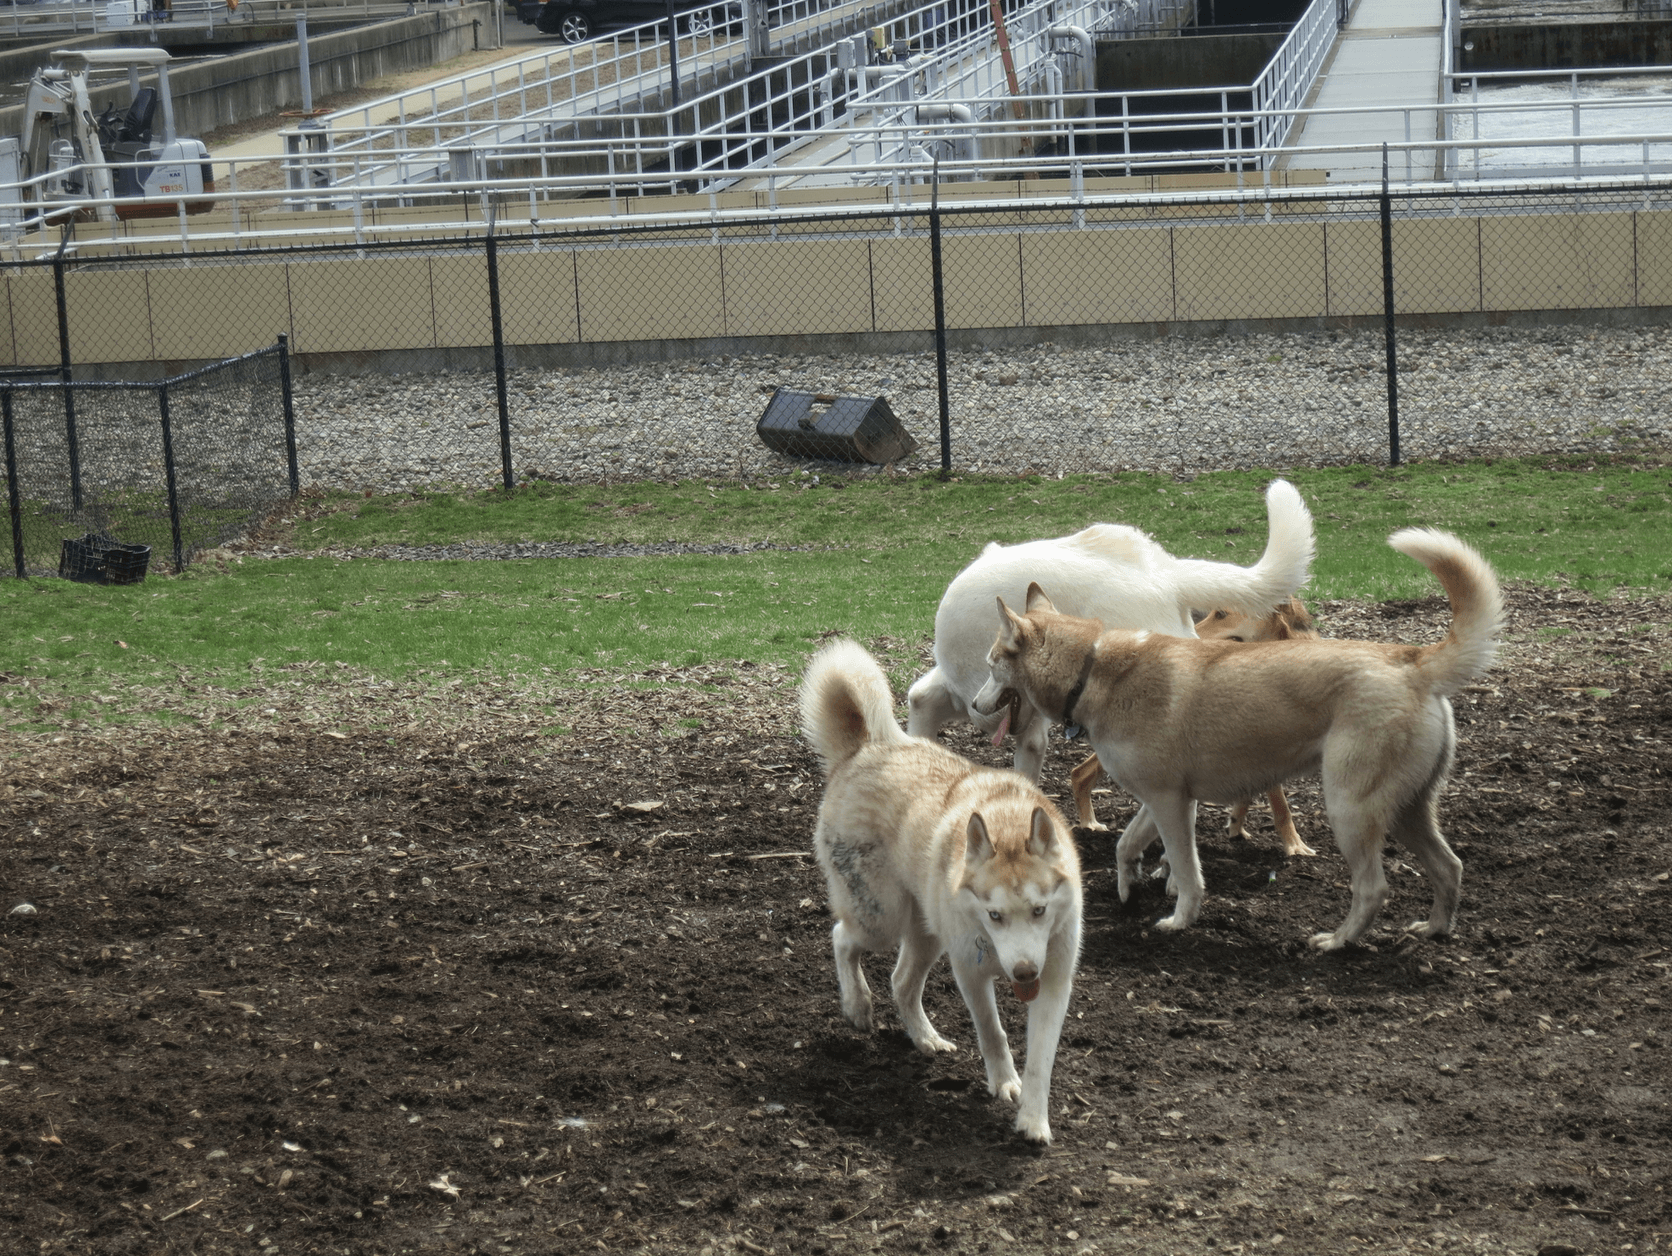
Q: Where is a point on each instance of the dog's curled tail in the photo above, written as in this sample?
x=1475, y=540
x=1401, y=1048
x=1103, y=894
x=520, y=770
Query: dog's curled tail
x=1477, y=606
x=846, y=703
x=1283, y=567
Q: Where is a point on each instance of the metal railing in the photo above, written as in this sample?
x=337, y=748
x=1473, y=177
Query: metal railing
x=622, y=175
x=614, y=89
x=857, y=125
x=1282, y=86
x=652, y=178
x=1561, y=154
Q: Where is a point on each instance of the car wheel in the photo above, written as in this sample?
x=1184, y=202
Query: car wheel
x=699, y=22
x=571, y=25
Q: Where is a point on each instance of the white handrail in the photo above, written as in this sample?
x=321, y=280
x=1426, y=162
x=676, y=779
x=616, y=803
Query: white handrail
x=608, y=230
x=1283, y=85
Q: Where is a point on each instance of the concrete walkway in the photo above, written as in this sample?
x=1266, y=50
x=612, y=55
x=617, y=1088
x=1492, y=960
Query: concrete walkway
x=1389, y=54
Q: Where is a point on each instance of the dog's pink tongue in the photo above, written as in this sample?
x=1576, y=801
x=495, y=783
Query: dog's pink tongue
x=1026, y=991
x=1004, y=727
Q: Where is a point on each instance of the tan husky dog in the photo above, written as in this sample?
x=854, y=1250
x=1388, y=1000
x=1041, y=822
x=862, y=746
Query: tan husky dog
x=924, y=851
x=1288, y=622
x=1173, y=718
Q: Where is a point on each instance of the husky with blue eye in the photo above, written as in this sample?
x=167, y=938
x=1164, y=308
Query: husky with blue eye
x=927, y=853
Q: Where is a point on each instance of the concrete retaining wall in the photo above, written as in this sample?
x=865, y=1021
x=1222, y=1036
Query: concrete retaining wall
x=593, y=302
x=211, y=94
x=1183, y=62
x=1571, y=45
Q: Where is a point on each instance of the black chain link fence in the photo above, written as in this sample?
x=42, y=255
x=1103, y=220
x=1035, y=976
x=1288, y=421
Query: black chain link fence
x=1177, y=331
x=98, y=469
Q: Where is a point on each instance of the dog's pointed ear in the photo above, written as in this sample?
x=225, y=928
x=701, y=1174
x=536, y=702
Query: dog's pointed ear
x=978, y=847
x=1042, y=834
x=1037, y=601
x=1280, y=627
x=1010, y=626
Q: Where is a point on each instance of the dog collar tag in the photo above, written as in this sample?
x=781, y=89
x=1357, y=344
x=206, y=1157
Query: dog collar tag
x=1073, y=732
x=981, y=950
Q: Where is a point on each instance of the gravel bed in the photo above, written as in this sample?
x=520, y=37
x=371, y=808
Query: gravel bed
x=1175, y=404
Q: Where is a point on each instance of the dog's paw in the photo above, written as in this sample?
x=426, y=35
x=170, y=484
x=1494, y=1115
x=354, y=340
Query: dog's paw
x=1298, y=848
x=933, y=1044
x=1034, y=1126
x=1094, y=826
x=1009, y=1089
x=1326, y=942
x=1123, y=883
x=1425, y=929
x=1173, y=923
x=859, y=1015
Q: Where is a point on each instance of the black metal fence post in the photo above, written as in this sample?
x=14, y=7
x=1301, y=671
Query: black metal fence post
x=168, y=469
x=940, y=322
x=289, y=414
x=499, y=360
x=14, y=490
x=1387, y=314
x=64, y=373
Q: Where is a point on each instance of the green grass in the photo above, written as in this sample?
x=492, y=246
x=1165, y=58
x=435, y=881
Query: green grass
x=886, y=549
x=395, y=617
x=1535, y=519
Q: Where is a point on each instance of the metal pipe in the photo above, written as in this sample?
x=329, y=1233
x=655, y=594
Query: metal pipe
x=963, y=145
x=302, y=66
x=1088, y=52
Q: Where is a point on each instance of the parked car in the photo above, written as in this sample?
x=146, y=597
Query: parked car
x=577, y=21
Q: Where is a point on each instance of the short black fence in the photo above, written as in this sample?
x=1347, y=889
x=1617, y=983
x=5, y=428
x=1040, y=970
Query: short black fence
x=177, y=464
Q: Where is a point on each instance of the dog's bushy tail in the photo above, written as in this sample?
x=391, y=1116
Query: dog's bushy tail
x=1477, y=606
x=846, y=703
x=1283, y=568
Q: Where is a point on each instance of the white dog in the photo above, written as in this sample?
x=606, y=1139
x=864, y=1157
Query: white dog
x=1108, y=572
x=924, y=851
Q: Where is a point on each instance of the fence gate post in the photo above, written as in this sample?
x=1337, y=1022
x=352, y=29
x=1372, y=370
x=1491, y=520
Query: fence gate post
x=1387, y=314
x=1386, y=310
x=64, y=374
x=168, y=469
x=289, y=414
x=14, y=490
x=940, y=322
x=499, y=360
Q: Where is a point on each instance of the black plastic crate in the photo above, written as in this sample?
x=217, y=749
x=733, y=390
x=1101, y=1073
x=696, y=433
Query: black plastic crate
x=832, y=428
x=100, y=559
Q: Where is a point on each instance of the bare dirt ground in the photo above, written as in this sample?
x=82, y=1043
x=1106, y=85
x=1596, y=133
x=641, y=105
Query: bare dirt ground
x=369, y=968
